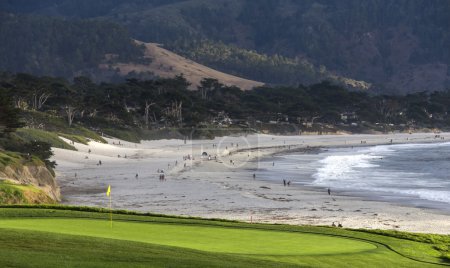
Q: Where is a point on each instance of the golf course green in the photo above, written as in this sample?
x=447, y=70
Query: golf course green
x=212, y=239
x=67, y=237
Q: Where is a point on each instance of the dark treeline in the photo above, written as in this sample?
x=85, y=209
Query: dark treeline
x=274, y=69
x=154, y=104
x=60, y=47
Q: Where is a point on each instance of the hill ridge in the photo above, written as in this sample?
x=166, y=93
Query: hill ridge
x=167, y=64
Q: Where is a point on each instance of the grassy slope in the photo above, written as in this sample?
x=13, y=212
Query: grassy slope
x=177, y=242
x=22, y=194
x=57, y=124
x=168, y=64
x=29, y=134
x=16, y=160
x=11, y=193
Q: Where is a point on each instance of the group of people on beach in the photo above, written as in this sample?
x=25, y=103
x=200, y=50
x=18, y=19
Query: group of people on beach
x=337, y=225
x=162, y=176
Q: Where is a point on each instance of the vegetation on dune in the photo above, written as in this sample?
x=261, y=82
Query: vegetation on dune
x=30, y=135
x=57, y=123
x=75, y=138
x=9, y=140
x=186, y=251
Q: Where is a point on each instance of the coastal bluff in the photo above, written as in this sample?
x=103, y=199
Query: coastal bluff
x=28, y=184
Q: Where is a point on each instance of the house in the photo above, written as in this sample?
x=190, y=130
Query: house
x=349, y=116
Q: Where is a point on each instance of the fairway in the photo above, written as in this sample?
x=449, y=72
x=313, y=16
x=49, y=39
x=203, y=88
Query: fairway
x=212, y=239
x=57, y=236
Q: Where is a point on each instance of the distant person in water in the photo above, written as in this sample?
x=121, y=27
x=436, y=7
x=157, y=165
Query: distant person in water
x=99, y=162
x=284, y=182
x=137, y=176
x=254, y=176
x=273, y=164
x=329, y=191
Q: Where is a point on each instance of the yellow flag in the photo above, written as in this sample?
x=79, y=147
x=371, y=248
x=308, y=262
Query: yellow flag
x=108, y=192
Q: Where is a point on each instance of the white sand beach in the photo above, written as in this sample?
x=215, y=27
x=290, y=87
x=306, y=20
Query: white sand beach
x=223, y=186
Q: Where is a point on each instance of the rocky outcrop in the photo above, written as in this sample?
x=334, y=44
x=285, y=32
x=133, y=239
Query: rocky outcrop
x=39, y=177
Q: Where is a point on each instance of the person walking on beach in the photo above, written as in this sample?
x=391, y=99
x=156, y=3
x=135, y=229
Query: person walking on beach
x=254, y=176
x=289, y=183
x=329, y=191
x=137, y=176
x=284, y=182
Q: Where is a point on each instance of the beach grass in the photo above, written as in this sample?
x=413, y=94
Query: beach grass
x=53, y=236
x=29, y=135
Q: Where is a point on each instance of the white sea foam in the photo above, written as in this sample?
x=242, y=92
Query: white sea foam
x=426, y=194
x=411, y=176
x=337, y=168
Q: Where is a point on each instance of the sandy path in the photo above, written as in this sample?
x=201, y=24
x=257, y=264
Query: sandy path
x=220, y=189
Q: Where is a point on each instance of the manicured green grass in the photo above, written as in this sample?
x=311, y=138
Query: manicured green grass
x=66, y=237
x=205, y=238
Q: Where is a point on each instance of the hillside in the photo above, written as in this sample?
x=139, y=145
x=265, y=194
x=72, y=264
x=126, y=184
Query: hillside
x=399, y=46
x=59, y=47
x=394, y=46
x=166, y=64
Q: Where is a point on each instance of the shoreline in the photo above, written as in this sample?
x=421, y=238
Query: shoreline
x=218, y=189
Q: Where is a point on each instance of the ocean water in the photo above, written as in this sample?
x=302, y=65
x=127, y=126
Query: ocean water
x=413, y=174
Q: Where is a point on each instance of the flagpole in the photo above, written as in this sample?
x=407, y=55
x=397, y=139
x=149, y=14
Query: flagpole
x=110, y=210
x=108, y=194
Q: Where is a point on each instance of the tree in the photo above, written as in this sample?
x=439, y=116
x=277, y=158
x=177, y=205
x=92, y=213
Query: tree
x=147, y=111
x=9, y=115
x=207, y=85
x=38, y=99
x=70, y=112
x=42, y=150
